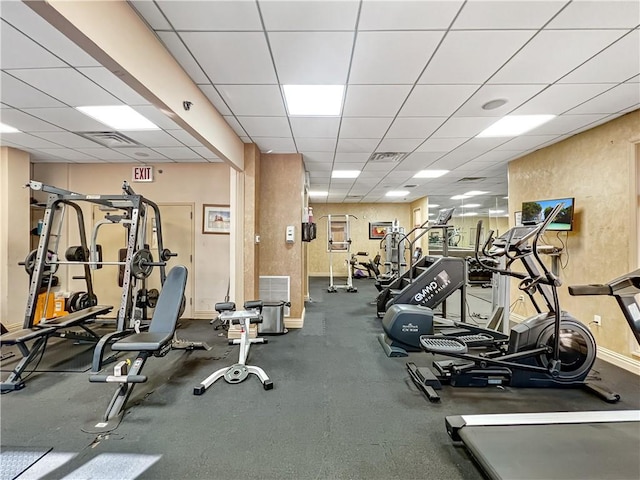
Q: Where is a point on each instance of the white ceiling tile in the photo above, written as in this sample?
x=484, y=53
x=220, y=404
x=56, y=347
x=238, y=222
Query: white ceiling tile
x=436, y=100
x=326, y=145
x=374, y=100
x=67, y=85
x=153, y=114
x=515, y=95
x=67, y=139
x=154, y=138
x=183, y=56
x=25, y=19
x=349, y=166
x=378, y=167
x=141, y=153
x=191, y=160
x=570, y=48
x=316, y=58
x=566, y=123
x=354, y=127
x=635, y=79
x=399, y=144
x=69, y=154
x=276, y=145
x=352, y=145
x=150, y=12
x=262, y=100
x=318, y=157
x=204, y=152
x=185, y=138
x=473, y=56
x=321, y=127
x=500, y=14
x=104, y=153
x=618, y=98
x=615, y=64
x=215, y=99
x=558, y=98
x=391, y=57
x=494, y=157
x=246, y=51
x=407, y=15
x=309, y=15
x=27, y=140
x=235, y=125
x=414, y=127
x=440, y=144
x=526, y=142
x=457, y=127
x=598, y=14
x=114, y=85
x=266, y=126
x=26, y=122
x=67, y=118
x=342, y=157
x=177, y=153
x=19, y=51
x=416, y=162
x=18, y=94
x=226, y=15
x=317, y=166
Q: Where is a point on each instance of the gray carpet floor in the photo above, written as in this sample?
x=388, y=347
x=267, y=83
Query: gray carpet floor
x=340, y=409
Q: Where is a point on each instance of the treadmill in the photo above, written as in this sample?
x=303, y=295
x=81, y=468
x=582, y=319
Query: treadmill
x=595, y=445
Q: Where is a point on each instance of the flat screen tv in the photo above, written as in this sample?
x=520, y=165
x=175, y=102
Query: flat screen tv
x=535, y=212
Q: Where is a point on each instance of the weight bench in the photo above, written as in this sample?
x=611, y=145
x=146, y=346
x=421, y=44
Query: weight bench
x=40, y=335
x=155, y=341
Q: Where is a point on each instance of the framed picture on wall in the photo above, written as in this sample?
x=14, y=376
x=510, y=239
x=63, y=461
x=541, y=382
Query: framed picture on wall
x=377, y=230
x=216, y=219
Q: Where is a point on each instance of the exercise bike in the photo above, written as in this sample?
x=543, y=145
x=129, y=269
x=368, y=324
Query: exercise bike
x=550, y=349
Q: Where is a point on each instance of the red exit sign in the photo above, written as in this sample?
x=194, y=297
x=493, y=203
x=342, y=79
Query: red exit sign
x=143, y=174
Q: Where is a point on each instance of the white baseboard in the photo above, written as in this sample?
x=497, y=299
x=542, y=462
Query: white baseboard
x=619, y=360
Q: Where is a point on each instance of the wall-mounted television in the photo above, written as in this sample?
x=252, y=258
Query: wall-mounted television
x=536, y=211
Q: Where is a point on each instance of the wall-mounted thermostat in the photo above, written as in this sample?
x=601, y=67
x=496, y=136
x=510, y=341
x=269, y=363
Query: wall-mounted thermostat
x=290, y=234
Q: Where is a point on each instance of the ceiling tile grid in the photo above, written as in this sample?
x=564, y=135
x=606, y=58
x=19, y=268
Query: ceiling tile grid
x=417, y=74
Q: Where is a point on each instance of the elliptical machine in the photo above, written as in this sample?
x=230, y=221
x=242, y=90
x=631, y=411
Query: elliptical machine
x=550, y=349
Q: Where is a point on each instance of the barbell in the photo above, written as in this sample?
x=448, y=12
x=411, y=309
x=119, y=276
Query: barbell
x=141, y=262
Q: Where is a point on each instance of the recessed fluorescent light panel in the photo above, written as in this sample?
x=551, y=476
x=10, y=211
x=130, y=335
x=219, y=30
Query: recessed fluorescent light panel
x=318, y=193
x=433, y=205
x=119, y=117
x=397, y=193
x=345, y=173
x=7, y=129
x=470, y=214
x=475, y=192
x=471, y=205
x=430, y=173
x=313, y=100
x=460, y=197
x=514, y=125
x=495, y=212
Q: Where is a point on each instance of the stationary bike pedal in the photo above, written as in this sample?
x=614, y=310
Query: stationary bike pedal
x=440, y=344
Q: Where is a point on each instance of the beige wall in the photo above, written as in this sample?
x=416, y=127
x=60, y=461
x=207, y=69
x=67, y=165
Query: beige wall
x=366, y=212
x=194, y=184
x=281, y=203
x=597, y=167
x=14, y=235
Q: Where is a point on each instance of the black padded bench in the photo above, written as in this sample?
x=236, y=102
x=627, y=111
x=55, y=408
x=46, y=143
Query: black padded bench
x=40, y=335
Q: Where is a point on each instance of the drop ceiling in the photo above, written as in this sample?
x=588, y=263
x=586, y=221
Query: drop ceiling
x=417, y=74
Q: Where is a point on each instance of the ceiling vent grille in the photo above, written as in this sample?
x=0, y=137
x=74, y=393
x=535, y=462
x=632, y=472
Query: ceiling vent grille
x=110, y=139
x=472, y=179
x=387, y=157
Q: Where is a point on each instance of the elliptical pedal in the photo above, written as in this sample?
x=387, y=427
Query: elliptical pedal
x=440, y=344
x=477, y=340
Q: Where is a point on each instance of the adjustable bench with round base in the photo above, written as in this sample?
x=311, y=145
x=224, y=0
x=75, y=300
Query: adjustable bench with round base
x=154, y=342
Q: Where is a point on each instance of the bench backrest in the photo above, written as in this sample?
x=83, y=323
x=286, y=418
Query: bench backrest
x=165, y=315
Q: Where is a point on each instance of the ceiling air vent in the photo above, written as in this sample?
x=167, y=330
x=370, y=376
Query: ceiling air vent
x=409, y=186
x=471, y=179
x=354, y=196
x=388, y=157
x=110, y=139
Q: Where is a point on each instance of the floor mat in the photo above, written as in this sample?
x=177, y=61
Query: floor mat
x=15, y=460
x=56, y=358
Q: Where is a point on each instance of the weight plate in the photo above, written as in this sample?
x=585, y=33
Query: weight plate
x=236, y=373
x=152, y=297
x=140, y=261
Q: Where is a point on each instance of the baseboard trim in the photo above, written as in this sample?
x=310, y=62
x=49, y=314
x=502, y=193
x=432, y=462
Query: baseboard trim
x=619, y=360
x=291, y=322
